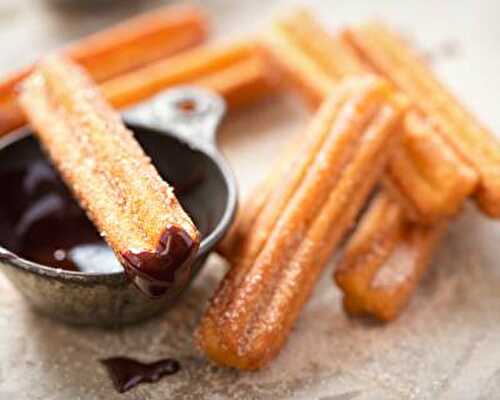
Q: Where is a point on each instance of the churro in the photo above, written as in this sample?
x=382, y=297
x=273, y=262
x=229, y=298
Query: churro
x=114, y=181
x=124, y=47
x=234, y=71
x=349, y=142
x=431, y=187
x=385, y=260
x=387, y=53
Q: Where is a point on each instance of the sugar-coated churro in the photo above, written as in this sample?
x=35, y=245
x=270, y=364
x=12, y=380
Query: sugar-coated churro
x=316, y=201
x=109, y=174
x=131, y=44
x=387, y=53
x=235, y=71
x=385, y=260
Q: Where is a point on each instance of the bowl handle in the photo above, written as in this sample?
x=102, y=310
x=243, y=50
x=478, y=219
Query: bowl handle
x=190, y=113
x=5, y=254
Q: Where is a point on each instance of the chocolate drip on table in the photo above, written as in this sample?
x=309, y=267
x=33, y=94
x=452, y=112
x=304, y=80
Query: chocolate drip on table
x=127, y=373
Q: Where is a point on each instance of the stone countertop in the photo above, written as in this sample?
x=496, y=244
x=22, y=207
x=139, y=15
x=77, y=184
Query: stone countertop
x=445, y=346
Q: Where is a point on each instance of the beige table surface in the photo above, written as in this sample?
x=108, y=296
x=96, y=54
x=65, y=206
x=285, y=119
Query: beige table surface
x=446, y=346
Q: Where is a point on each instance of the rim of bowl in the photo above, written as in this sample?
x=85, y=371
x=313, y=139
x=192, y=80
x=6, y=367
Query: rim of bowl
x=207, y=243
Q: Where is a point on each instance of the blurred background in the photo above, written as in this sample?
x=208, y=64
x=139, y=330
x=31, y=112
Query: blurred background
x=461, y=36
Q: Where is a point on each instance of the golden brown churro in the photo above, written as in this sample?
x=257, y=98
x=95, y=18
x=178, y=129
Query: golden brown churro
x=349, y=142
x=131, y=44
x=109, y=174
x=234, y=71
x=387, y=53
x=384, y=260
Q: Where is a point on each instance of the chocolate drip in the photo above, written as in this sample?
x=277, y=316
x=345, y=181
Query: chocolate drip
x=154, y=273
x=127, y=373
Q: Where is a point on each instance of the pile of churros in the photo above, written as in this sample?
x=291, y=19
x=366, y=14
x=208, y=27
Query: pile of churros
x=388, y=159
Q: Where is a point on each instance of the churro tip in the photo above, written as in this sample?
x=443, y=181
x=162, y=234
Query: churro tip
x=217, y=351
x=351, y=306
x=488, y=201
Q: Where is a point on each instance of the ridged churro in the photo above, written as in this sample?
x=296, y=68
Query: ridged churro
x=388, y=54
x=114, y=181
x=430, y=187
x=385, y=260
x=349, y=142
x=234, y=71
x=124, y=47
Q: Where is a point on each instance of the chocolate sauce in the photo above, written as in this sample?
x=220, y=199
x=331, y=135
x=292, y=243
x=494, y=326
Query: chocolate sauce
x=127, y=373
x=40, y=221
x=154, y=273
x=194, y=180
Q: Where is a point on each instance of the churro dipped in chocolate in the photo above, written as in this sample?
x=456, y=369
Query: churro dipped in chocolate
x=114, y=181
x=119, y=49
x=234, y=71
x=427, y=175
x=388, y=54
x=347, y=146
x=385, y=260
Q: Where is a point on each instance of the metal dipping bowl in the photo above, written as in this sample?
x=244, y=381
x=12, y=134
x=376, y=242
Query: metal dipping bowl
x=177, y=129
